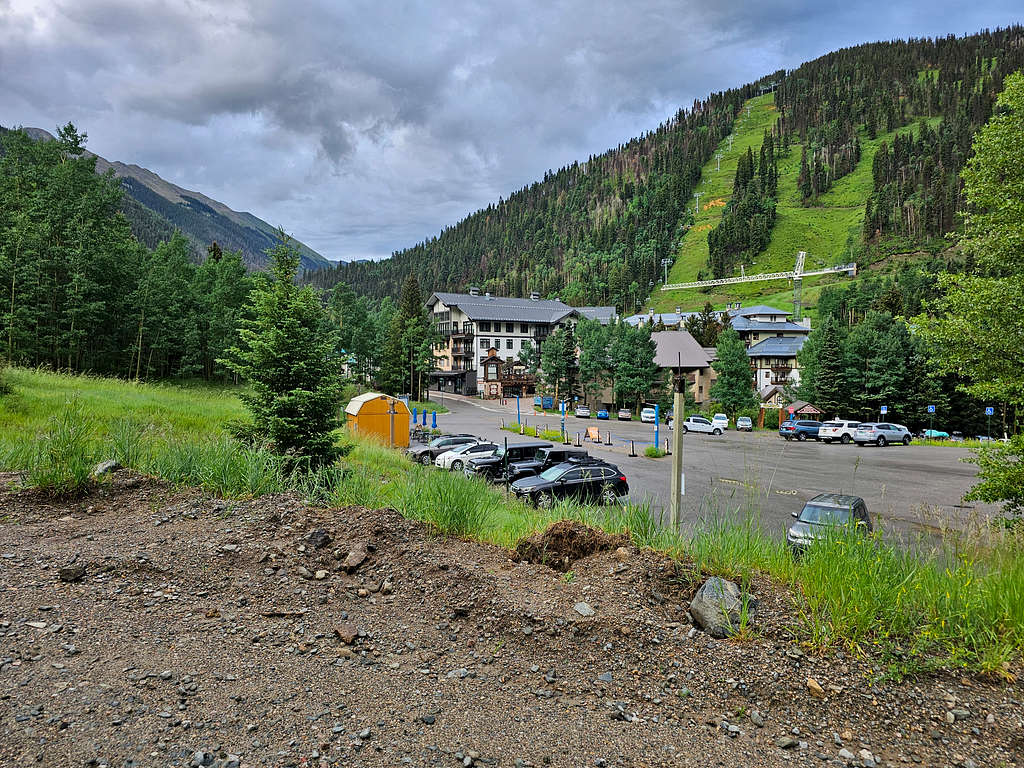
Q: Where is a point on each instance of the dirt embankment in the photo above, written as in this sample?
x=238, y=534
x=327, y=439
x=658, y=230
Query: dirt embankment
x=185, y=630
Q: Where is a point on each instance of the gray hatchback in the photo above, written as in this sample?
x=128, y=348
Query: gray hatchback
x=827, y=511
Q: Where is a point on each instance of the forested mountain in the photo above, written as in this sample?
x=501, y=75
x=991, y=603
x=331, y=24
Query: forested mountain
x=596, y=232
x=155, y=208
x=590, y=232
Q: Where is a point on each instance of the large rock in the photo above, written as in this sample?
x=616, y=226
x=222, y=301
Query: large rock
x=104, y=468
x=718, y=605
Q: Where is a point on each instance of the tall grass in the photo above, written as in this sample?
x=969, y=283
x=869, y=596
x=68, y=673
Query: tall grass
x=955, y=605
x=61, y=460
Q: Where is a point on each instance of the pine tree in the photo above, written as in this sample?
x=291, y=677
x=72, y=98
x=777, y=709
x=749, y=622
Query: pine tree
x=734, y=387
x=287, y=354
x=830, y=392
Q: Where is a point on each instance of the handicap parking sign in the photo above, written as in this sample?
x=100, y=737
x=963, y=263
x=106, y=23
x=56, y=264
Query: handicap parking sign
x=989, y=411
x=931, y=409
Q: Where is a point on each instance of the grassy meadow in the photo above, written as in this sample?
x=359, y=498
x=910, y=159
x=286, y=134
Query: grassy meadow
x=956, y=605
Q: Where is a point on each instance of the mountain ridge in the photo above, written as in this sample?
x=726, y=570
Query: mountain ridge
x=200, y=218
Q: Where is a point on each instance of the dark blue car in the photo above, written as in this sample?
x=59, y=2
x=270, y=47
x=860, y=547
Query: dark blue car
x=799, y=429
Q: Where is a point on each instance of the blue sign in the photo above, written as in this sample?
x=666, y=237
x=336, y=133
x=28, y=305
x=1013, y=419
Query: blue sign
x=931, y=409
x=989, y=411
x=885, y=409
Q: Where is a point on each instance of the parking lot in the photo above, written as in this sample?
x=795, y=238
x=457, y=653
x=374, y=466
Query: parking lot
x=907, y=488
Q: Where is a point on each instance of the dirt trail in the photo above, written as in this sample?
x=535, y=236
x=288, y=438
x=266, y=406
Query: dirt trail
x=267, y=633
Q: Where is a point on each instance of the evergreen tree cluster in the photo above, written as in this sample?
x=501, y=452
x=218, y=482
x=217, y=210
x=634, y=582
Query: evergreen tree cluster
x=618, y=354
x=880, y=87
x=78, y=292
x=590, y=233
x=917, y=190
x=746, y=225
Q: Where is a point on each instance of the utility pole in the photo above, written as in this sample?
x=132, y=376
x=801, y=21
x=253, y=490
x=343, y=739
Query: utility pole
x=730, y=142
x=696, y=208
x=748, y=110
x=718, y=164
x=678, y=415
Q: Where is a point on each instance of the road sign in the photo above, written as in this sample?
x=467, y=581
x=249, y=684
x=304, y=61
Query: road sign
x=885, y=409
x=791, y=410
x=989, y=411
x=931, y=409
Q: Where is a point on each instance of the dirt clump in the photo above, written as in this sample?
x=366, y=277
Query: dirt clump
x=561, y=544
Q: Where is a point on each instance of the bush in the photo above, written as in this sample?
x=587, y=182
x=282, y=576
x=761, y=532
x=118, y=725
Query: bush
x=653, y=452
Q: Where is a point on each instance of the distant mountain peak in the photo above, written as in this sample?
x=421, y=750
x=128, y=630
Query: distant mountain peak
x=158, y=207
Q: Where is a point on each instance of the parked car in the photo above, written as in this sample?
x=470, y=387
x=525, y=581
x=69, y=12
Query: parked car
x=839, y=430
x=827, y=511
x=957, y=437
x=492, y=467
x=591, y=480
x=602, y=414
x=882, y=434
x=543, y=459
x=744, y=423
x=720, y=420
x=425, y=454
x=800, y=429
x=934, y=434
x=624, y=414
x=648, y=415
x=456, y=458
x=699, y=424
x=582, y=412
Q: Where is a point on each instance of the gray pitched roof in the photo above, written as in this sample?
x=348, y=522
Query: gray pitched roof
x=503, y=308
x=786, y=346
x=603, y=315
x=746, y=324
x=675, y=349
x=760, y=309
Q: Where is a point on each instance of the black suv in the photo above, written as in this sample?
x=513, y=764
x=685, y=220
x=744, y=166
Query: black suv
x=493, y=466
x=425, y=454
x=545, y=458
x=585, y=480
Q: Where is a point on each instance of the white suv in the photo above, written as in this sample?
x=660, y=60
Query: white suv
x=700, y=424
x=720, y=420
x=839, y=430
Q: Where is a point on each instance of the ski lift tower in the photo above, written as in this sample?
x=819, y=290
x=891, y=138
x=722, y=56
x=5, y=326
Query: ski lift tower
x=798, y=271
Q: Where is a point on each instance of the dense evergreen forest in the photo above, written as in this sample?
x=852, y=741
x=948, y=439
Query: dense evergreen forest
x=595, y=232
x=79, y=292
x=881, y=87
x=592, y=232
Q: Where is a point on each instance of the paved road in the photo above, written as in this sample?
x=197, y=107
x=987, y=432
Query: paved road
x=912, y=488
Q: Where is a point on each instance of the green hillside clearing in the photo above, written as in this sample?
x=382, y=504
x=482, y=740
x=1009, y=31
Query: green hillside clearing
x=830, y=231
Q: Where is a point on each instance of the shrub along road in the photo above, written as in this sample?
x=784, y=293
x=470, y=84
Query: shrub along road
x=912, y=489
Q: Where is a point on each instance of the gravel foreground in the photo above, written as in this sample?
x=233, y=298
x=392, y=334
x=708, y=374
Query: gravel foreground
x=149, y=626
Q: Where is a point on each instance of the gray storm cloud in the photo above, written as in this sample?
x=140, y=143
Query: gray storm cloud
x=363, y=127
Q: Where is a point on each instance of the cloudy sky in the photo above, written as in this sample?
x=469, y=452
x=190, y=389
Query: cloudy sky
x=363, y=127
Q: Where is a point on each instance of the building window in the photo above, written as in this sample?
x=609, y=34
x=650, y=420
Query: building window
x=524, y=327
x=485, y=326
x=485, y=343
x=510, y=327
x=508, y=343
x=497, y=343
